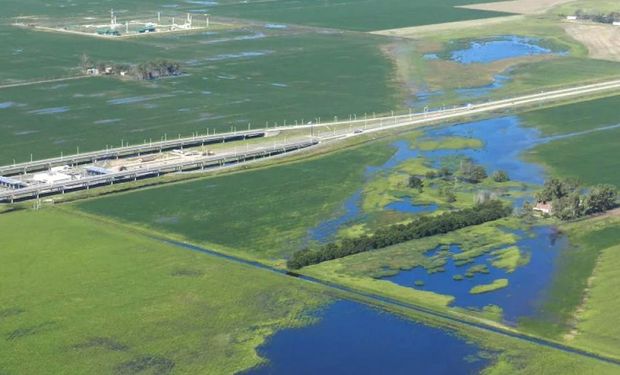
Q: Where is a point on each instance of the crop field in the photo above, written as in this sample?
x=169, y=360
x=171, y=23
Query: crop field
x=82, y=296
x=264, y=213
x=360, y=15
x=238, y=77
x=575, y=156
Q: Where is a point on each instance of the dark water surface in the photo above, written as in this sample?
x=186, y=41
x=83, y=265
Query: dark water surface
x=351, y=338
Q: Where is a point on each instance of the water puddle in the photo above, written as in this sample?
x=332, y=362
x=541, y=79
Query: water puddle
x=351, y=338
x=49, y=111
x=407, y=206
x=501, y=48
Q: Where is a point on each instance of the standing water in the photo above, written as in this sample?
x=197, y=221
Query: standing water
x=351, y=338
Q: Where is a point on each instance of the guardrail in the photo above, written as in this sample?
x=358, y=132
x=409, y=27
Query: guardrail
x=126, y=151
x=35, y=192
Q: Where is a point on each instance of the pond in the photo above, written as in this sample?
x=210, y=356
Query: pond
x=351, y=338
x=504, y=47
x=527, y=284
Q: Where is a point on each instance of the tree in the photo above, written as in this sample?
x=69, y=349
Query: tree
x=472, y=172
x=600, y=199
x=448, y=194
x=556, y=189
x=416, y=183
x=431, y=174
x=500, y=176
x=568, y=207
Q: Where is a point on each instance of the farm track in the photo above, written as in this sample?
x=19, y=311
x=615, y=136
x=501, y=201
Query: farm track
x=383, y=302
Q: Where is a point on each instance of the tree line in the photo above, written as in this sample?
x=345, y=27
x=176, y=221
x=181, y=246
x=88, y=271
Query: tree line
x=598, y=17
x=424, y=226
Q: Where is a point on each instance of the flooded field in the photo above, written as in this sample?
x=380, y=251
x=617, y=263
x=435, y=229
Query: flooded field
x=527, y=283
x=350, y=338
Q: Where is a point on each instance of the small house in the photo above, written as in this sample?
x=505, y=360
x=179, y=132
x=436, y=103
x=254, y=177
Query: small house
x=543, y=207
x=616, y=23
x=92, y=71
x=571, y=18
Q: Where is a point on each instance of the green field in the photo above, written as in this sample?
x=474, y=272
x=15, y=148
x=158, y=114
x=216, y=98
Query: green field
x=265, y=213
x=81, y=296
x=591, y=157
x=595, y=329
x=361, y=15
x=273, y=76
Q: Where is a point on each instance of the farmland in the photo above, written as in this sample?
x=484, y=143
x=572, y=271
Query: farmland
x=354, y=15
x=232, y=83
x=101, y=299
x=188, y=273
x=575, y=156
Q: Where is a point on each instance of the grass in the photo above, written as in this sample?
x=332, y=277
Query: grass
x=264, y=213
x=597, y=327
x=509, y=258
x=448, y=143
x=486, y=288
x=590, y=158
x=354, y=15
x=82, y=296
x=575, y=117
x=587, y=157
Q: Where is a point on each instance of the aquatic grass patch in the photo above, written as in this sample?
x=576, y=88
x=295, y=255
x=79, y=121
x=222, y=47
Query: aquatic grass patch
x=487, y=288
x=509, y=258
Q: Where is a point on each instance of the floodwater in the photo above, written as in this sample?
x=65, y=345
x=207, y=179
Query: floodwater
x=351, y=338
x=527, y=284
x=406, y=205
x=504, y=140
x=351, y=210
x=501, y=48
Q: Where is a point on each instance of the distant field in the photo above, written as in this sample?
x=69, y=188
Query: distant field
x=593, y=157
x=82, y=297
x=234, y=78
x=575, y=117
x=264, y=213
x=360, y=15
